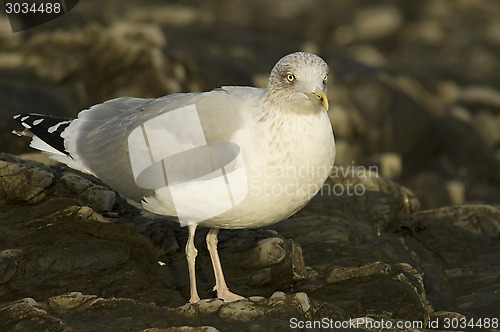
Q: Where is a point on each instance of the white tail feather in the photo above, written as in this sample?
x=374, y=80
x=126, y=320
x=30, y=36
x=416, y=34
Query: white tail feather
x=37, y=143
x=57, y=155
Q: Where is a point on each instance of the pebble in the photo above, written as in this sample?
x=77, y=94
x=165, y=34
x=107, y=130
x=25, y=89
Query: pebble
x=344, y=273
x=256, y=298
x=304, y=301
x=75, y=183
x=456, y=191
x=268, y=252
x=208, y=306
x=23, y=182
x=22, y=305
x=480, y=94
x=367, y=55
x=243, y=311
x=71, y=301
x=377, y=22
x=39, y=157
x=100, y=198
x=184, y=329
x=487, y=127
x=88, y=213
x=391, y=164
x=277, y=297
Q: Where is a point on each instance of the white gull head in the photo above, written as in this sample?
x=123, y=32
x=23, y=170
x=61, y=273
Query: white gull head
x=300, y=78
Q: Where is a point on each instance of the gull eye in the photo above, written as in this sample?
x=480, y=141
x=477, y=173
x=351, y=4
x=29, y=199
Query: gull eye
x=325, y=79
x=290, y=77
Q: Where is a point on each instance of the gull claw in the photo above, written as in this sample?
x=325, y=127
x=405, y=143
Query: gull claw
x=229, y=296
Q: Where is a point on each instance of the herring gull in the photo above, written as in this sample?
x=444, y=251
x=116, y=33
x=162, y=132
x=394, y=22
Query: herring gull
x=232, y=158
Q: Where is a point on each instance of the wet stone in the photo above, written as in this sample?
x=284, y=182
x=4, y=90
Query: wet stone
x=304, y=301
x=277, y=297
x=71, y=301
x=267, y=252
x=100, y=198
x=184, y=329
x=242, y=310
x=23, y=182
x=27, y=315
x=208, y=306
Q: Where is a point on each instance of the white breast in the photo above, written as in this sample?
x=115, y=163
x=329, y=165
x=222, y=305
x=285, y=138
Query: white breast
x=282, y=174
x=285, y=164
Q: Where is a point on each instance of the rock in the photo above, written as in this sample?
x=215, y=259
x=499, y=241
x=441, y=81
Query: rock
x=26, y=314
x=241, y=311
x=99, y=62
x=137, y=47
x=448, y=91
x=430, y=189
x=8, y=266
x=402, y=283
x=22, y=182
x=356, y=181
x=461, y=113
x=99, y=197
x=207, y=306
x=391, y=164
x=75, y=183
x=483, y=95
x=71, y=301
x=34, y=182
x=83, y=212
x=348, y=153
x=377, y=22
x=456, y=192
x=461, y=229
x=184, y=329
x=304, y=301
x=367, y=55
x=62, y=250
x=39, y=158
x=277, y=297
x=170, y=15
x=477, y=219
x=487, y=126
x=256, y=298
x=342, y=274
x=428, y=31
x=267, y=252
x=269, y=264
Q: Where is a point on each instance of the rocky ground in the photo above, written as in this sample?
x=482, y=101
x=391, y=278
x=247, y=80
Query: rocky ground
x=415, y=95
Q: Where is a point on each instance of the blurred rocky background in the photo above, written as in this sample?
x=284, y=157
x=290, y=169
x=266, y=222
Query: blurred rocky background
x=415, y=92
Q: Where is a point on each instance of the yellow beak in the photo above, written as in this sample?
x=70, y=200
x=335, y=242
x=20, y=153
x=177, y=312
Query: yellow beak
x=318, y=96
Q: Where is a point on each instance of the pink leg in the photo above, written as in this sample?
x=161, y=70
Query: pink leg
x=220, y=284
x=191, y=253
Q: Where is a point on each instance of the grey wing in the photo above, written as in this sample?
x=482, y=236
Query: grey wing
x=120, y=140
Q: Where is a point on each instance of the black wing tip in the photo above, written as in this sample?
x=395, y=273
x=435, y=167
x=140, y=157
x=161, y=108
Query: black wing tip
x=22, y=115
x=45, y=127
